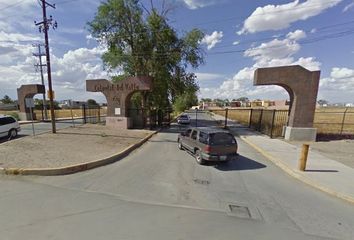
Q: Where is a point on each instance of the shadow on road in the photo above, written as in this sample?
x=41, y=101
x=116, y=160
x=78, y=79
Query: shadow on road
x=6, y=139
x=242, y=163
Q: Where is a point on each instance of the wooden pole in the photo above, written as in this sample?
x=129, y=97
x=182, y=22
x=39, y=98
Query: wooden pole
x=303, y=157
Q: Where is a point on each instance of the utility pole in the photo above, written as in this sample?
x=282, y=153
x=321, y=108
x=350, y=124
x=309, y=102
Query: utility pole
x=44, y=26
x=40, y=54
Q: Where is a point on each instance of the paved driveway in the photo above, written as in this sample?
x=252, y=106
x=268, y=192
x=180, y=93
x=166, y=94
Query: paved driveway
x=160, y=192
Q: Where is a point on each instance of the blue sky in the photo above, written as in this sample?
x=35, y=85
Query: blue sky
x=240, y=37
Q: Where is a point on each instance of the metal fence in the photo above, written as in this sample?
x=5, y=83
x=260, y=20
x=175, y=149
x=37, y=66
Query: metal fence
x=328, y=121
x=151, y=118
x=91, y=114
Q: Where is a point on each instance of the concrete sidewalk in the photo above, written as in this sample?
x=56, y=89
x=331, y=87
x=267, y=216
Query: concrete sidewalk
x=321, y=172
x=70, y=150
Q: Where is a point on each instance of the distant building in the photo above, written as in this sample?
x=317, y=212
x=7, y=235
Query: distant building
x=349, y=104
x=206, y=105
x=235, y=104
x=71, y=104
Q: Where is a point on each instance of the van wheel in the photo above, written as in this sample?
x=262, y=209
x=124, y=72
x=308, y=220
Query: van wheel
x=198, y=157
x=12, y=133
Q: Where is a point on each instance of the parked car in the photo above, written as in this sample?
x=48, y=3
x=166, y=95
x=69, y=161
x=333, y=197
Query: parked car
x=9, y=127
x=184, y=119
x=209, y=144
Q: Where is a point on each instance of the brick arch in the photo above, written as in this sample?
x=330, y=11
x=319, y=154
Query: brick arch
x=302, y=87
x=118, y=95
x=27, y=91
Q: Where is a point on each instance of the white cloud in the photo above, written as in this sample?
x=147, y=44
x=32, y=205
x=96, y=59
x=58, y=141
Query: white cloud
x=208, y=76
x=235, y=43
x=69, y=72
x=276, y=17
x=194, y=4
x=348, y=7
x=213, y=39
x=276, y=49
x=297, y=35
x=270, y=54
x=340, y=79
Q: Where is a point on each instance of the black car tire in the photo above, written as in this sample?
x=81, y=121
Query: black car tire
x=12, y=133
x=198, y=157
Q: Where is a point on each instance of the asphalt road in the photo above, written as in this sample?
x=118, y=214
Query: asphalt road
x=160, y=192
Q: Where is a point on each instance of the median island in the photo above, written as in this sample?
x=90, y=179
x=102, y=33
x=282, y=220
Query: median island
x=74, y=149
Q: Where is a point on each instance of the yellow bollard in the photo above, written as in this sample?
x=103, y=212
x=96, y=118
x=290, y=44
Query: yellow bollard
x=303, y=158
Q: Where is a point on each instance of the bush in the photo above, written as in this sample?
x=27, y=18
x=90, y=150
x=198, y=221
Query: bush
x=14, y=115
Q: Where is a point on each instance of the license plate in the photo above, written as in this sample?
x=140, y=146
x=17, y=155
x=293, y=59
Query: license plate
x=223, y=157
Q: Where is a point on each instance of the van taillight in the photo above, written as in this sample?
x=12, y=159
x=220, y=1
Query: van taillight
x=207, y=149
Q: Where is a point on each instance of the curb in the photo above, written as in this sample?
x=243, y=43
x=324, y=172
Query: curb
x=78, y=167
x=296, y=174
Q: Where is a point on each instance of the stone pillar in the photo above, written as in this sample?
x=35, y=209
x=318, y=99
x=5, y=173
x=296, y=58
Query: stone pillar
x=302, y=86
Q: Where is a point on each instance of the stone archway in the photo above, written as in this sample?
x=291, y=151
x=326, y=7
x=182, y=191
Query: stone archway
x=302, y=87
x=117, y=95
x=27, y=91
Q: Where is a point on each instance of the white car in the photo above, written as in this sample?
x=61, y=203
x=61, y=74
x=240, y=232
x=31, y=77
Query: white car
x=184, y=119
x=9, y=127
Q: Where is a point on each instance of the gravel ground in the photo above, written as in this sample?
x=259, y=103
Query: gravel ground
x=339, y=150
x=67, y=147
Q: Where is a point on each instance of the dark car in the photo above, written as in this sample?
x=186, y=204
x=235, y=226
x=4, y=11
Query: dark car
x=209, y=144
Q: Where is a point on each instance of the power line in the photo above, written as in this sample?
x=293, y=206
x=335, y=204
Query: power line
x=12, y=5
x=320, y=29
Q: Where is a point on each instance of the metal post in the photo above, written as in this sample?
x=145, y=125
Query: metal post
x=84, y=113
x=250, y=120
x=343, y=120
x=31, y=112
x=196, y=117
x=272, y=127
x=259, y=127
x=72, y=116
x=226, y=115
x=303, y=158
x=99, y=114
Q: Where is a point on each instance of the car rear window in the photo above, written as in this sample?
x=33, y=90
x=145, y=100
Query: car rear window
x=203, y=137
x=184, y=117
x=6, y=120
x=217, y=139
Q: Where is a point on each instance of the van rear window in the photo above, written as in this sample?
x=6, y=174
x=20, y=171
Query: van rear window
x=218, y=139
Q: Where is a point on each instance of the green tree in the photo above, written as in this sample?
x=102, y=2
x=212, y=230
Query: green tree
x=145, y=44
x=185, y=101
x=322, y=102
x=243, y=99
x=92, y=102
x=208, y=100
x=6, y=100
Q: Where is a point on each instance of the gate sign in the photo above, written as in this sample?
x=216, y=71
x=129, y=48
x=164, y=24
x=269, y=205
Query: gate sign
x=29, y=102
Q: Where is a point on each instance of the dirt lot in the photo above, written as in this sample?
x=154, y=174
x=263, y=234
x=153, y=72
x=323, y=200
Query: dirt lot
x=67, y=147
x=339, y=150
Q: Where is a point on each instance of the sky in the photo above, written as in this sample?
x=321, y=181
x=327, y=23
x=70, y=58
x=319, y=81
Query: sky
x=240, y=36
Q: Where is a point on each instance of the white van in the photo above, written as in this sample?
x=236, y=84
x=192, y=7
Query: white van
x=9, y=127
